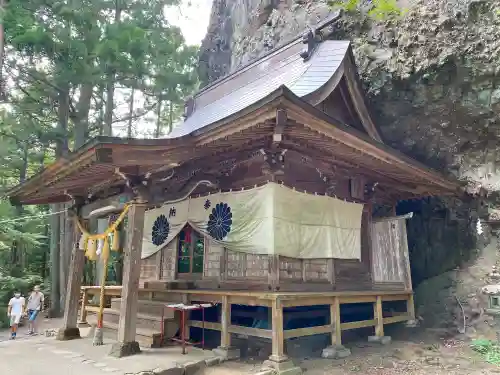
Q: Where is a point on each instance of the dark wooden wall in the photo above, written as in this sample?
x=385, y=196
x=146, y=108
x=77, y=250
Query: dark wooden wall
x=226, y=269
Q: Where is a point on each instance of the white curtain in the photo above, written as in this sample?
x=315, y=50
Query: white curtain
x=270, y=219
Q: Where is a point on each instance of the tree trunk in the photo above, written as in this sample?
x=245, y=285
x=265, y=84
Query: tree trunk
x=170, y=116
x=55, y=295
x=100, y=118
x=110, y=85
x=107, y=127
x=55, y=229
x=130, y=114
x=82, y=117
x=2, y=51
x=158, y=119
x=17, y=248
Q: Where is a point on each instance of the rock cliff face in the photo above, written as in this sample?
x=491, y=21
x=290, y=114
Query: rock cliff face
x=432, y=77
x=432, y=80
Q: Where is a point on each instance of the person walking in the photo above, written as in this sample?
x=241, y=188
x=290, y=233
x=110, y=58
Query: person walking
x=15, y=311
x=35, y=306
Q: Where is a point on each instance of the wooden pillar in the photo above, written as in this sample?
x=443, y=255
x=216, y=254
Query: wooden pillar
x=83, y=312
x=69, y=329
x=278, y=344
x=126, y=344
x=223, y=264
x=187, y=300
x=379, y=318
x=225, y=350
x=159, y=264
x=273, y=278
x=410, y=307
x=336, y=333
x=331, y=270
x=225, y=322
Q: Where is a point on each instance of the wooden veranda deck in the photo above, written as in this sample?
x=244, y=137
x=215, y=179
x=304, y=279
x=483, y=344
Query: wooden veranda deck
x=276, y=301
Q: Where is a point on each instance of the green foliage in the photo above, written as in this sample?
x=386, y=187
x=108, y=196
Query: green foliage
x=489, y=350
x=378, y=10
x=62, y=58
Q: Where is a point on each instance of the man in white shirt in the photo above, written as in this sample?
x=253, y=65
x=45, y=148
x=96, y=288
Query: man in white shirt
x=15, y=311
x=35, y=306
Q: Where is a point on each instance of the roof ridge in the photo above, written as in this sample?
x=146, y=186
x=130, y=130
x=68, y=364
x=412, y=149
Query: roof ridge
x=259, y=59
x=247, y=66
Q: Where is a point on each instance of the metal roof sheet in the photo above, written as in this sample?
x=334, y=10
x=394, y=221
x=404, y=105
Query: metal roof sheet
x=256, y=81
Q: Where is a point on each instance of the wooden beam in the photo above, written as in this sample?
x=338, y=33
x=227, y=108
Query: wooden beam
x=186, y=300
x=249, y=301
x=249, y=331
x=238, y=330
x=225, y=337
x=116, y=200
x=358, y=299
x=397, y=319
x=397, y=297
x=69, y=329
x=378, y=317
x=327, y=161
x=356, y=325
x=308, y=331
x=274, y=271
x=410, y=307
x=130, y=291
x=207, y=325
x=83, y=312
x=278, y=343
x=279, y=128
x=336, y=335
x=357, y=141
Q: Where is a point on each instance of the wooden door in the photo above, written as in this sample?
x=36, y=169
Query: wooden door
x=390, y=263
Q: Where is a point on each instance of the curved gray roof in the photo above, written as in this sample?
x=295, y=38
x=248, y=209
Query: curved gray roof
x=254, y=82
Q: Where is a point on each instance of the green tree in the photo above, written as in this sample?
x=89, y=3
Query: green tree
x=70, y=65
x=378, y=10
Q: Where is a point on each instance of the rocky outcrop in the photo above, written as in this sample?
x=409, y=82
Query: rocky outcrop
x=432, y=77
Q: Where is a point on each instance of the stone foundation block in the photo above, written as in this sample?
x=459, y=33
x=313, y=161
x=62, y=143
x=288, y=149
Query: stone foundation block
x=83, y=324
x=65, y=334
x=412, y=324
x=269, y=371
x=124, y=349
x=283, y=368
x=384, y=340
x=227, y=354
x=336, y=352
x=209, y=362
x=169, y=371
x=194, y=368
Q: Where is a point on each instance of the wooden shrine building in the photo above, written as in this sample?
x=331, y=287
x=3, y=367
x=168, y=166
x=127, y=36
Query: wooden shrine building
x=263, y=196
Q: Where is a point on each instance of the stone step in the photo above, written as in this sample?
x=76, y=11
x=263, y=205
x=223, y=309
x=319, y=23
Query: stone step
x=146, y=338
x=144, y=321
x=150, y=307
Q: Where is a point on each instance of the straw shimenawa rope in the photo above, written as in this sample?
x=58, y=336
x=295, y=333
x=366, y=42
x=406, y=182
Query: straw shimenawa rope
x=91, y=254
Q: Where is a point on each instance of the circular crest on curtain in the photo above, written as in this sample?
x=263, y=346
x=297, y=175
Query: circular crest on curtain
x=220, y=221
x=160, y=230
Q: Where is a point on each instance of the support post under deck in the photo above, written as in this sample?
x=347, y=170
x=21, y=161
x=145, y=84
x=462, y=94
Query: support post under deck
x=126, y=343
x=379, y=324
x=336, y=350
x=278, y=360
x=225, y=350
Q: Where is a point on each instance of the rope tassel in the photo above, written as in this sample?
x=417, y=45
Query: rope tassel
x=116, y=241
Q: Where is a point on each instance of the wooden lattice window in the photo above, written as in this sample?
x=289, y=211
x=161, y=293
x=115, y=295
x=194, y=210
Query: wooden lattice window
x=190, y=253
